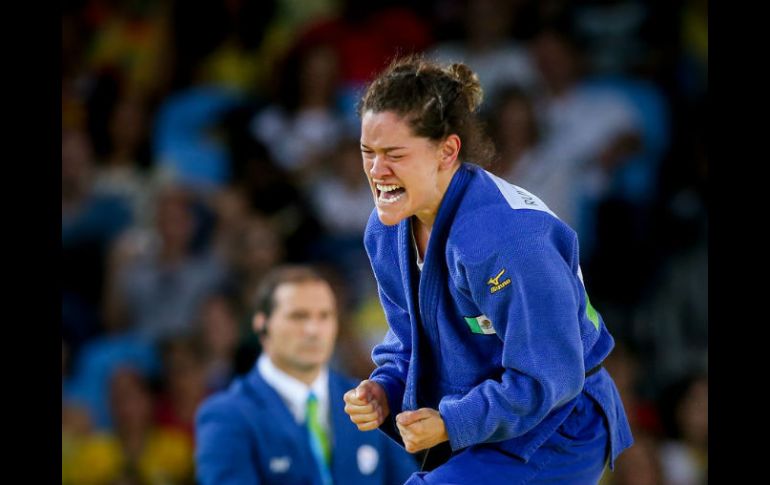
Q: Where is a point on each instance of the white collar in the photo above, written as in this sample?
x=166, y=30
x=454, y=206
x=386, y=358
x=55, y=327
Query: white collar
x=295, y=392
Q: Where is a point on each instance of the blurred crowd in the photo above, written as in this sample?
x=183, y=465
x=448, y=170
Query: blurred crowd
x=205, y=142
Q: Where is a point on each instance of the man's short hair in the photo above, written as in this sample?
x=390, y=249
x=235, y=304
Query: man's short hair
x=265, y=301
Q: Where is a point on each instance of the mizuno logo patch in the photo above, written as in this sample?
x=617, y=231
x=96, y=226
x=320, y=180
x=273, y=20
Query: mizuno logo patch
x=495, y=284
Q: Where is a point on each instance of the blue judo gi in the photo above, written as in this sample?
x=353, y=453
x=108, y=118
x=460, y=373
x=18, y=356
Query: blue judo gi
x=247, y=435
x=498, y=334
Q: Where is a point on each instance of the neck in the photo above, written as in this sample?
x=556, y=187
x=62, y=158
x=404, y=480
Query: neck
x=425, y=220
x=427, y=217
x=306, y=376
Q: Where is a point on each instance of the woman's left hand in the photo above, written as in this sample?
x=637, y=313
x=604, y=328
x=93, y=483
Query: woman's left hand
x=421, y=429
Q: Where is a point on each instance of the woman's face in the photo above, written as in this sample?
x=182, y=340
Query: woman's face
x=403, y=170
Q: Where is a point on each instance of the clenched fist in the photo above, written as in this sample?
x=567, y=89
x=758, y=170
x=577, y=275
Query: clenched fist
x=421, y=429
x=367, y=405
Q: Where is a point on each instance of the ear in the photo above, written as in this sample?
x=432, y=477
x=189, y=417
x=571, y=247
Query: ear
x=259, y=324
x=449, y=151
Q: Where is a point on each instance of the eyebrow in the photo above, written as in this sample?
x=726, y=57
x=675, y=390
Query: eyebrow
x=387, y=149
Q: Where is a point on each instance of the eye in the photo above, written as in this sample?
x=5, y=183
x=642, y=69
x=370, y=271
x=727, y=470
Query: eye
x=298, y=316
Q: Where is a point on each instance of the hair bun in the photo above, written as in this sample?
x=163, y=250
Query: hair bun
x=469, y=80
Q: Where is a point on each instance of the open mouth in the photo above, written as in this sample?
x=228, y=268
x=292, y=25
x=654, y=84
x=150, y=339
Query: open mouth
x=388, y=194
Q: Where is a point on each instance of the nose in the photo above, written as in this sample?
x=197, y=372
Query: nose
x=313, y=326
x=379, y=168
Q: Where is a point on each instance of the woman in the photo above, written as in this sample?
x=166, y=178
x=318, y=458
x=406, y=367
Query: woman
x=492, y=361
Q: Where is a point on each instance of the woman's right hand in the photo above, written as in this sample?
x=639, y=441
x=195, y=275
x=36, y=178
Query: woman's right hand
x=367, y=405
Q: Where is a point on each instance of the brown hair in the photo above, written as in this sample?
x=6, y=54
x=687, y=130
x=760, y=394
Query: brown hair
x=264, y=302
x=436, y=101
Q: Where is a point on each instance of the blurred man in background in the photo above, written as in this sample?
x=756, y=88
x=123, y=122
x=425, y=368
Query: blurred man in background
x=284, y=421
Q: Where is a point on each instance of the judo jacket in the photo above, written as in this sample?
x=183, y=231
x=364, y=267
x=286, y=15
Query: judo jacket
x=497, y=331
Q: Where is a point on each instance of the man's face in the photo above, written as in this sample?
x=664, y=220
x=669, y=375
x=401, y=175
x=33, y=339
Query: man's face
x=303, y=326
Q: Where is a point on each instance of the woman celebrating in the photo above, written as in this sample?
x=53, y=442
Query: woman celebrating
x=492, y=360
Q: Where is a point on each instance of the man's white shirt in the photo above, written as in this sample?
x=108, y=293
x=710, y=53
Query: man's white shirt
x=295, y=392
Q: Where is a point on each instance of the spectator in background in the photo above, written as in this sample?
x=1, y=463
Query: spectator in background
x=183, y=383
x=90, y=223
x=343, y=201
x=220, y=334
x=137, y=314
x=93, y=367
x=188, y=140
x=622, y=44
x=489, y=49
x=340, y=194
x=365, y=36
x=138, y=451
x=230, y=209
x=597, y=128
x=157, y=291
x=529, y=159
x=272, y=193
x=252, y=250
x=623, y=218
x=87, y=372
x=284, y=421
x=303, y=126
x=122, y=173
x=539, y=161
x=151, y=452
x=559, y=59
